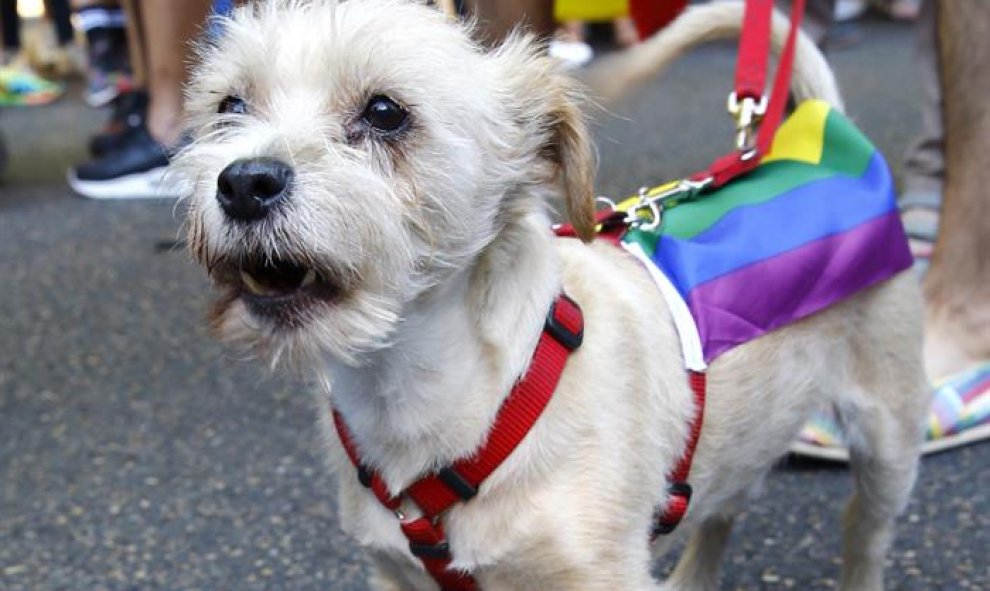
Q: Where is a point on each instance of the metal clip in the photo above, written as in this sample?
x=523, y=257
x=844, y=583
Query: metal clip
x=605, y=201
x=748, y=113
x=647, y=214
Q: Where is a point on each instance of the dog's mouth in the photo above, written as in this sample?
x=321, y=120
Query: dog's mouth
x=281, y=289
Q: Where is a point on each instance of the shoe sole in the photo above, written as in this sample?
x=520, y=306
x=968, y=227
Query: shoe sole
x=140, y=185
x=101, y=98
x=841, y=454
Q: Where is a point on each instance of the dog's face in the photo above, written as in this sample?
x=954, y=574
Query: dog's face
x=349, y=157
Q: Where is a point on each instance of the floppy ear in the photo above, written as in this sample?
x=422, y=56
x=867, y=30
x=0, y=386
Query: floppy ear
x=570, y=148
x=549, y=103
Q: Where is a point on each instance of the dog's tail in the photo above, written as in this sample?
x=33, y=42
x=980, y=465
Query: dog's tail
x=615, y=76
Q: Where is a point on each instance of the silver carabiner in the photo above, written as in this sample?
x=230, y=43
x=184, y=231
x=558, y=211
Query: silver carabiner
x=748, y=113
x=654, y=205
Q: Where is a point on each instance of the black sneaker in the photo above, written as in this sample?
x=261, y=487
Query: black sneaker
x=129, y=112
x=135, y=170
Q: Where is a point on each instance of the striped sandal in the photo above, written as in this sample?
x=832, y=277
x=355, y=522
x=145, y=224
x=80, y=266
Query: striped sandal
x=960, y=415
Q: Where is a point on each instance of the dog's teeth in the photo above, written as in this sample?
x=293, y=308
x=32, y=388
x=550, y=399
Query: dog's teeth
x=309, y=279
x=252, y=284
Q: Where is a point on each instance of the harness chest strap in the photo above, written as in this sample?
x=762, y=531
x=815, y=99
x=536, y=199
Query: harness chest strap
x=437, y=492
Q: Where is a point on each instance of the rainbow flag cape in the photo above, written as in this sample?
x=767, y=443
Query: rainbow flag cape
x=813, y=224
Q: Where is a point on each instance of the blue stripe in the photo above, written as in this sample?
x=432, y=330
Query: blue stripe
x=750, y=234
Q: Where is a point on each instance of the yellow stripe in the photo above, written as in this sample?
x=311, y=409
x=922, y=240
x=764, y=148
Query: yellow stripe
x=590, y=10
x=802, y=136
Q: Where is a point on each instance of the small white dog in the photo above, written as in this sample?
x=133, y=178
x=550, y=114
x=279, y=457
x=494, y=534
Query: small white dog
x=370, y=191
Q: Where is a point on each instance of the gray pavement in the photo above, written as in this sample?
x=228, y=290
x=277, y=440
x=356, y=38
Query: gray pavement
x=137, y=454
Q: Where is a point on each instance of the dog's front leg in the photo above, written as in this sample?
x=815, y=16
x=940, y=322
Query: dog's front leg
x=388, y=574
x=698, y=567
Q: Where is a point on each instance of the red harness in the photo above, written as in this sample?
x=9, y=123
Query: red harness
x=436, y=492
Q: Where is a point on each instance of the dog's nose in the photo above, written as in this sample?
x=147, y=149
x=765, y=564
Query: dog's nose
x=249, y=188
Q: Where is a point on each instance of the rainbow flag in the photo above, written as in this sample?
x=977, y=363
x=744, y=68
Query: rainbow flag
x=813, y=224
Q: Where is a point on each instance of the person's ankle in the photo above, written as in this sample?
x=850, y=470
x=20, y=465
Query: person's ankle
x=166, y=134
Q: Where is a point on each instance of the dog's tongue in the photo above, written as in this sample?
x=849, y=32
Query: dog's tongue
x=278, y=279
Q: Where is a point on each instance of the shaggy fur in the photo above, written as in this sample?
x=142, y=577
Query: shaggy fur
x=435, y=244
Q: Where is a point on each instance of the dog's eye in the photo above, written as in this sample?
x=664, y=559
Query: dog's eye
x=384, y=114
x=232, y=105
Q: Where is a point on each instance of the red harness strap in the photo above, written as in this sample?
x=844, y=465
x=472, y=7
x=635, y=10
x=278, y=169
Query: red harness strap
x=437, y=492
x=678, y=489
x=611, y=227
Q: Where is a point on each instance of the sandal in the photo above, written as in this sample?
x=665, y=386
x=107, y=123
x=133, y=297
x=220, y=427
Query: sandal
x=960, y=415
x=23, y=88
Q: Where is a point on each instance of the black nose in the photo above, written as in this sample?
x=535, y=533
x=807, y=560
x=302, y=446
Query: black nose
x=248, y=189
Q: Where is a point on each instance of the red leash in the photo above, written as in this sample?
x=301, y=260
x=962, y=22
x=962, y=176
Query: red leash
x=749, y=105
x=748, y=102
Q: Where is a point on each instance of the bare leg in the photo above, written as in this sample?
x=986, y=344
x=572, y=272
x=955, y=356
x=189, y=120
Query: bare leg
x=135, y=45
x=957, y=287
x=498, y=17
x=169, y=26
x=924, y=160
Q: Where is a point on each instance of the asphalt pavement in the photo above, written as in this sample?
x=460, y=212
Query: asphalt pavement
x=138, y=454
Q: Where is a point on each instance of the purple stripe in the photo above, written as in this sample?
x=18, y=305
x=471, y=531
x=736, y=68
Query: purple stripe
x=742, y=305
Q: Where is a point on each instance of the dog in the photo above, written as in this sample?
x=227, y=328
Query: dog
x=370, y=191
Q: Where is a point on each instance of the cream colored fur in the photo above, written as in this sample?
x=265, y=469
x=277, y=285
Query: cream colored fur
x=441, y=244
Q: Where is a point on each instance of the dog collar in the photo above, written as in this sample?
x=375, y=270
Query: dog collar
x=436, y=492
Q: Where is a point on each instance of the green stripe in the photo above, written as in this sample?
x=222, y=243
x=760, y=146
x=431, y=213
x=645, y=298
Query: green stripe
x=763, y=184
x=846, y=152
x=646, y=240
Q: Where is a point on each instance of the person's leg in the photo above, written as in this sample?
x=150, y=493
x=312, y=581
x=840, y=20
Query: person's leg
x=924, y=163
x=19, y=84
x=169, y=26
x=11, y=28
x=957, y=287
x=135, y=43
x=924, y=160
x=497, y=18
x=60, y=14
x=135, y=167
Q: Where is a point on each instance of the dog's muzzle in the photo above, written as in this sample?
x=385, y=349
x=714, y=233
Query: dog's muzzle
x=249, y=189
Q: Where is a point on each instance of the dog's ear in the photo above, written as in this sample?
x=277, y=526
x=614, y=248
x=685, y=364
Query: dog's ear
x=549, y=110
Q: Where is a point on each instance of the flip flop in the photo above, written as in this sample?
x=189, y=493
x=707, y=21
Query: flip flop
x=960, y=415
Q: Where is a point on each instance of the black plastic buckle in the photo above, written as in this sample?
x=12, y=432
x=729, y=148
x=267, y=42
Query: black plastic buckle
x=364, y=476
x=457, y=484
x=661, y=527
x=439, y=551
x=560, y=333
x=680, y=489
